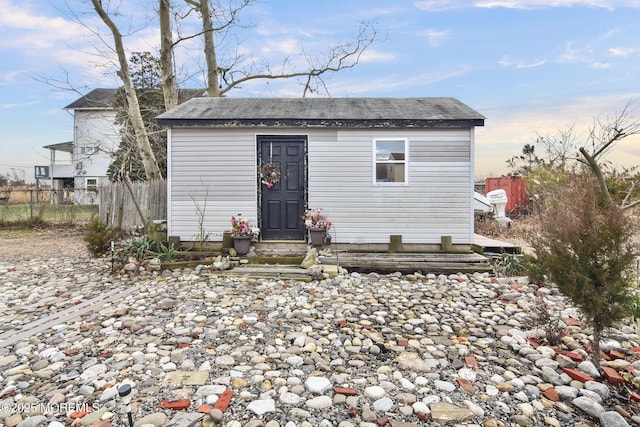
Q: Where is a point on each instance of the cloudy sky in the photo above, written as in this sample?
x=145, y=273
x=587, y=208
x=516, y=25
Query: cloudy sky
x=532, y=67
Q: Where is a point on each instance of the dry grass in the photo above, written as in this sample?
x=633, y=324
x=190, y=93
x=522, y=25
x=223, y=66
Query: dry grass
x=524, y=227
x=23, y=195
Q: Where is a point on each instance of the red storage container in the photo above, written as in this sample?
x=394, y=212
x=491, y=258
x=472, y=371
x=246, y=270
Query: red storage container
x=516, y=191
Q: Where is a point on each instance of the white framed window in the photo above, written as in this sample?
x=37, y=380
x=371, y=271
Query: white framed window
x=91, y=184
x=87, y=150
x=390, y=159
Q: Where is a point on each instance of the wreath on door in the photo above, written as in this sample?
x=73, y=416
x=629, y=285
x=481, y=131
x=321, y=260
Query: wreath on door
x=270, y=174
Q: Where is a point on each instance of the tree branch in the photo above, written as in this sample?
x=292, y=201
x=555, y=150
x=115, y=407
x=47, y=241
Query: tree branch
x=597, y=172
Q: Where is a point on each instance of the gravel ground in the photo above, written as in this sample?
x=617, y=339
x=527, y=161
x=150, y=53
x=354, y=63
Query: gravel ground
x=354, y=350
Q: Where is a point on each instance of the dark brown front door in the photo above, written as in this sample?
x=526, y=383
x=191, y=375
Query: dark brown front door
x=282, y=205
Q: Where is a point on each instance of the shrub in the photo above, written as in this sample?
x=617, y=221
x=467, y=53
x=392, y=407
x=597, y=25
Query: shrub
x=541, y=317
x=99, y=237
x=585, y=248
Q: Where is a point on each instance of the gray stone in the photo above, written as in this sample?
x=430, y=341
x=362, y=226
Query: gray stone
x=589, y=406
x=383, y=405
x=262, y=406
x=589, y=368
x=317, y=385
x=185, y=419
x=566, y=392
x=600, y=388
x=374, y=392
x=320, y=402
x=34, y=421
x=612, y=419
x=156, y=419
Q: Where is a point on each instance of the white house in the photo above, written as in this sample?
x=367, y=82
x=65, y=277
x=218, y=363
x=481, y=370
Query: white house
x=96, y=137
x=377, y=167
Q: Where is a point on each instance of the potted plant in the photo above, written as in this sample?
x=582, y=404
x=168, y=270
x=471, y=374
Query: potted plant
x=242, y=232
x=316, y=222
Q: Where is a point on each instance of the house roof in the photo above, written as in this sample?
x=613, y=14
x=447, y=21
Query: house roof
x=100, y=98
x=105, y=98
x=61, y=146
x=322, y=112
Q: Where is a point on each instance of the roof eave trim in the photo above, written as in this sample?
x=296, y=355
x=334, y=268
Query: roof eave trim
x=320, y=123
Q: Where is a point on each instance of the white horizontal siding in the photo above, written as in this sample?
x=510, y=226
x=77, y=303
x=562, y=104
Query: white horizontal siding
x=219, y=167
x=212, y=172
x=435, y=202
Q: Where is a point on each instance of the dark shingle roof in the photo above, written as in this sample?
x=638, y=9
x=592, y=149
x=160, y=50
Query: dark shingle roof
x=96, y=99
x=322, y=112
x=103, y=98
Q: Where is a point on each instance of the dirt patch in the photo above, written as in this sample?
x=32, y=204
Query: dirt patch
x=25, y=245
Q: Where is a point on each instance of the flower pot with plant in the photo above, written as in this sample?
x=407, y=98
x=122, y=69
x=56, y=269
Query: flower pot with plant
x=317, y=223
x=243, y=231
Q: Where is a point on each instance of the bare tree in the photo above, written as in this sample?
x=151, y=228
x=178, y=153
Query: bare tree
x=221, y=78
x=169, y=85
x=149, y=162
x=603, y=136
x=218, y=19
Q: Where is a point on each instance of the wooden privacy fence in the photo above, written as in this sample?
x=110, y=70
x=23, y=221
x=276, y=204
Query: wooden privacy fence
x=118, y=207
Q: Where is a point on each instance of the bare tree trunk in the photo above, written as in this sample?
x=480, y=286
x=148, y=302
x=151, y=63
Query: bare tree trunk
x=597, y=172
x=169, y=87
x=213, y=85
x=149, y=162
x=595, y=346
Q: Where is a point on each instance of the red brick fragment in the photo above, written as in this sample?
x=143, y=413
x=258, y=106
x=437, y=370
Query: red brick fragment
x=570, y=321
x=615, y=354
x=552, y=395
x=344, y=390
x=224, y=400
x=403, y=343
x=204, y=409
x=80, y=414
x=635, y=349
x=176, y=405
x=576, y=357
x=101, y=423
x=471, y=361
x=635, y=396
x=342, y=323
x=604, y=356
x=577, y=375
x=105, y=355
x=533, y=342
x=183, y=345
x=612, y=375
x=8, y=394
x=466, y=385
x=353, y=411
x=422, y=417
x=382, y=421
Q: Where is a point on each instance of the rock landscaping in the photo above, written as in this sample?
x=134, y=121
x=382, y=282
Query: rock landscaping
x=200, y=347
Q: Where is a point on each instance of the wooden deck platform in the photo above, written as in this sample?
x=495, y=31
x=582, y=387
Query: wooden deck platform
x=489, y=246
x=437, y=263
x=478, y=260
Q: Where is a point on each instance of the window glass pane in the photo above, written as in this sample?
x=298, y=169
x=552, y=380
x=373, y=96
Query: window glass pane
x=389, y=150
x=389, y=172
